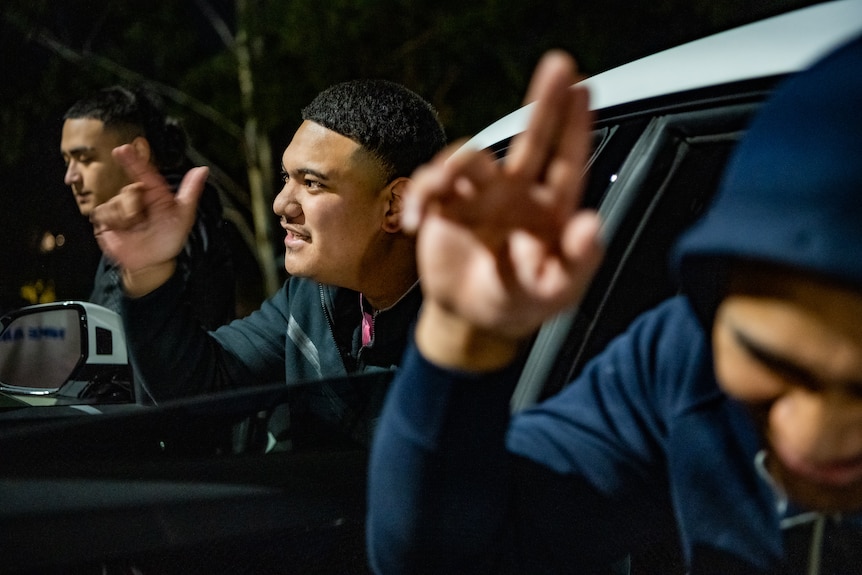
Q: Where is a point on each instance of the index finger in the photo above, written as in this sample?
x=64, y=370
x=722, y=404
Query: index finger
x=564, y=174
x=437, y=181
x=532, y=149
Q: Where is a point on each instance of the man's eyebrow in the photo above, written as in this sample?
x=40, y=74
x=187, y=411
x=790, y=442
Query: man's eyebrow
x=772, y=360
x=79, y=150
x=782, y=365
x=306, y=171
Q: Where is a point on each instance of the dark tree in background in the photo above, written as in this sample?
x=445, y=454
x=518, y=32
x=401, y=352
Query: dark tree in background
x=472, y=60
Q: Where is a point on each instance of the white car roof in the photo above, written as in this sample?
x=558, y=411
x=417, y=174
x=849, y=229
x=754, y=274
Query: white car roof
x=779, y=45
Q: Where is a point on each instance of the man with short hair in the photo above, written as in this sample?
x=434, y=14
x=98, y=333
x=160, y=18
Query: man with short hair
x=95, y=125
x=730, y=416
x=353, y=291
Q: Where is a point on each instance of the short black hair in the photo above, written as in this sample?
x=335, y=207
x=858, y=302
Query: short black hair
x=133, y=112
x=396, y=125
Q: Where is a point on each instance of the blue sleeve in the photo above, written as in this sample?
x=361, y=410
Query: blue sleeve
x=440, y=445
x=455, y=484
x=610, y=424
x=175, y=356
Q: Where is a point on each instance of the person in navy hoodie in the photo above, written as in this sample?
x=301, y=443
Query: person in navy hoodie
x=730, y=415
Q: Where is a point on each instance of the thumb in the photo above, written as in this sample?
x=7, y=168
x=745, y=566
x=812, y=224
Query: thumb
x=192, y=187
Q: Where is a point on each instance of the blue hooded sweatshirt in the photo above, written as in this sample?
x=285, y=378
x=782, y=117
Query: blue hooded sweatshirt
x=643, y=446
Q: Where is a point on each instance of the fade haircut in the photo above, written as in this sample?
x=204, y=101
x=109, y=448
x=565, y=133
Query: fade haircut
x=134, y=112
x=399, y=128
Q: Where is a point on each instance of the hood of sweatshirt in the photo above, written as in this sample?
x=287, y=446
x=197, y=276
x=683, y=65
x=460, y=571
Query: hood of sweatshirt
x=792, y=192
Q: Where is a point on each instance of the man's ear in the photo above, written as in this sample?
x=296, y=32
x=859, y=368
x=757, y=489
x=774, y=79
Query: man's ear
x=395, y=204
x=142, y=148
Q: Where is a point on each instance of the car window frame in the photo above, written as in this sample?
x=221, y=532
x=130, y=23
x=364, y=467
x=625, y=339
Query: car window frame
x=550, y=365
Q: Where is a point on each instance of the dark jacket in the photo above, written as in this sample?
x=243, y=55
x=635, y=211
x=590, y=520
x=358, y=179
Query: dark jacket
x=306, y=331
x=643, y=445
x=205, y=266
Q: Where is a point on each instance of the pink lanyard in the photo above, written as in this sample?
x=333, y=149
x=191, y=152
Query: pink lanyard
x=367, y=324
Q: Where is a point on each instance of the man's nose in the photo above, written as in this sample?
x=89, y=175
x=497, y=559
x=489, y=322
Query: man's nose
x=285, y=203
x=820, y=425
x=72, y=175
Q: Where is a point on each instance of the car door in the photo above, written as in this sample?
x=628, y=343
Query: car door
x=652, y=175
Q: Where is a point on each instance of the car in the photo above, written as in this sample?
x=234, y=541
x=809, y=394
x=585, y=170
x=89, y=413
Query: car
x=665, y=125
x=165, y=489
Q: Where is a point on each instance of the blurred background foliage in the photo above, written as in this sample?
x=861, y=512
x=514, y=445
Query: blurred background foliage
x=471, y=60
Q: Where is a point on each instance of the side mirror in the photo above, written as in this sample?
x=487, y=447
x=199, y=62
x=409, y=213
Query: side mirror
x=70, y=351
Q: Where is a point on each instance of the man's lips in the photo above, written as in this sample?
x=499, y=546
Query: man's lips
x=833, y=473
x=294, y=237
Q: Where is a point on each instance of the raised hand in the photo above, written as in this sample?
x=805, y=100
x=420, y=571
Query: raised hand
x=146, y=225
x=503, y=247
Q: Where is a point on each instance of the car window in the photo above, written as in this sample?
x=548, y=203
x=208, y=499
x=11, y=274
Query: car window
x=647, y=192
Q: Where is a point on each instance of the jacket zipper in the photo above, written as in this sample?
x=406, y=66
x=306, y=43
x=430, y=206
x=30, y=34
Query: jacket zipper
x=329, y=322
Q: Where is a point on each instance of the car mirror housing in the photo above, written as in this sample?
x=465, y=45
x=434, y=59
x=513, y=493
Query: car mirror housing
x=67, y=351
